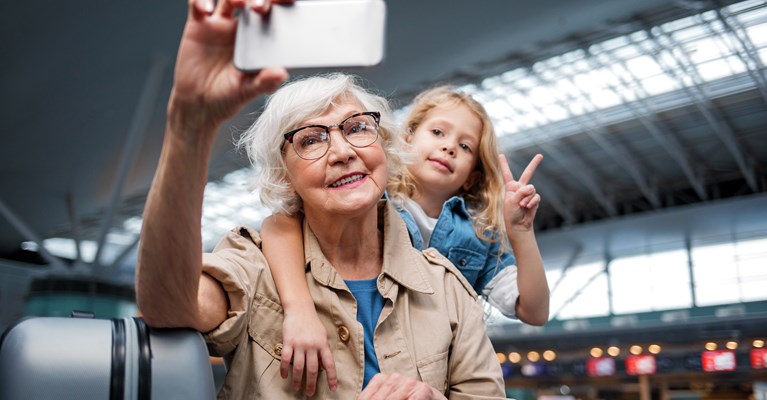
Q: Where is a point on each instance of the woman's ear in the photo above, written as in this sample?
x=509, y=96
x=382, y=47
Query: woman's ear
x=472, y=180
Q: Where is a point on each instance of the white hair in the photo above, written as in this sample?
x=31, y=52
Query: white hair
x=289, y=107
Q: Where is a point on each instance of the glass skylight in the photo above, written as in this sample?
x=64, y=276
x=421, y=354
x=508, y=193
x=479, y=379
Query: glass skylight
x=673, y=61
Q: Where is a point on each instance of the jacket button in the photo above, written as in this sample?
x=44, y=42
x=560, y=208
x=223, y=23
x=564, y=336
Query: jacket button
x=463, y=262
x=278, y=349
x=343, y=333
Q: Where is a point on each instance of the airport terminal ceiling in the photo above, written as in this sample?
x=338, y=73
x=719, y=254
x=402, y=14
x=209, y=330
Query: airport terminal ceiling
x=85, y=92
x=651, y=115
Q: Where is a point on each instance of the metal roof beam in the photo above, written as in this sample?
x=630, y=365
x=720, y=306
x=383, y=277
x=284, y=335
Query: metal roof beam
x=76, y=236
x=28, y=234
x=578, y=292
x=743, y=47
x=576, y=167
x=647, y=118
x=702, y=101
x=577, y=250
x=136, y=130
x=544, y=185
x=596, y=130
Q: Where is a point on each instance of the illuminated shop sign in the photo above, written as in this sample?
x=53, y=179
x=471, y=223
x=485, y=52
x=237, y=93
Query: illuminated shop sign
x=640, y=365
x=718, y=360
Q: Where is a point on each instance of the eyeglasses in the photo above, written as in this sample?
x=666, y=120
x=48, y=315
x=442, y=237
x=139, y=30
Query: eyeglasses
x=313, y=141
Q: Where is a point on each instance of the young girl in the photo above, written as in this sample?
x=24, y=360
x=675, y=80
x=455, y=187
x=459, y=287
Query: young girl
x=459, y=197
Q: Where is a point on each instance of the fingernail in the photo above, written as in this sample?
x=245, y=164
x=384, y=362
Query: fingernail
x=209, y=6
x=258, y=3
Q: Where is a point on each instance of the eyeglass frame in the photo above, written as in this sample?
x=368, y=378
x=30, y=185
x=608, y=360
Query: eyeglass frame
x=376, y=117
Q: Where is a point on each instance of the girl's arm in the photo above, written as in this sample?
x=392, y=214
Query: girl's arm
x=304, y=337
x=520, y=205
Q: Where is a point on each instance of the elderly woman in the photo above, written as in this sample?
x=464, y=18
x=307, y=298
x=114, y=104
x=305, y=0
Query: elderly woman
x=401, y=323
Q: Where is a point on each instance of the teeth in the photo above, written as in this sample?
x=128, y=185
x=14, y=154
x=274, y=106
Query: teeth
x=348, y=179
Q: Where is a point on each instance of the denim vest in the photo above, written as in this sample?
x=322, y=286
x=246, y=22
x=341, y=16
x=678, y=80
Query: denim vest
x=454, y=237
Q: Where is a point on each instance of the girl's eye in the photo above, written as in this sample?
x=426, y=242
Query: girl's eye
x=466, y=147
x=437, y=132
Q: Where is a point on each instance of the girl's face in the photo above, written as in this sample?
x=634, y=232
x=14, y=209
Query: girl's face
x=447, y=146
x=347, y=180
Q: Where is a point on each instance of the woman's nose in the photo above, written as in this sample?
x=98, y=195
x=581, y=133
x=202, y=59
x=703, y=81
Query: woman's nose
x=340, y=149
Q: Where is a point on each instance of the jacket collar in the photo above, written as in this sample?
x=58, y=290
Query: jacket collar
x=400, y=259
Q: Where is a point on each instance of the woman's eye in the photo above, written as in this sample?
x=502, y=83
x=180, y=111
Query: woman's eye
x=311, y=138
x=356, y=127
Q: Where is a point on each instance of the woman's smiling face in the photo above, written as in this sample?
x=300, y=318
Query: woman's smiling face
x=347, y=180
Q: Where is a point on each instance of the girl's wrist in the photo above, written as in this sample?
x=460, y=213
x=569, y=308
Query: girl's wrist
x=298, y=306
x=517, y=236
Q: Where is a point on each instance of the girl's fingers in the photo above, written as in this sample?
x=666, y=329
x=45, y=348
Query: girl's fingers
x=526, y=192
x=311, y=372
x=527, y=174
x=535, y=201
x=287, y=355
x=298, y=370
x=505, y=171
x=530, y=201
x=330, y=368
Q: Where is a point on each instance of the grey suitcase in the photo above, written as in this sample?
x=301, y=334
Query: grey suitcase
x=121, y=358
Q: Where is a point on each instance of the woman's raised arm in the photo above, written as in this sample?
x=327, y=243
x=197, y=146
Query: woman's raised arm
x=207, y=90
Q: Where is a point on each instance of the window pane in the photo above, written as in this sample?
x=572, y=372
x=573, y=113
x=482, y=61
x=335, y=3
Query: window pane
x=591, y=302
x=630, y=280
x=670, y=280
x=713, y=293
x=582, y=292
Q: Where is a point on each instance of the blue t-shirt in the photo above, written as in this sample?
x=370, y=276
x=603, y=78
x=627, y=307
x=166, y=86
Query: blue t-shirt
x=369, y=306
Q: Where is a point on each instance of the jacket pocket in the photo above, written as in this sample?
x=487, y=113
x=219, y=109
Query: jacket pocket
x=265, y=329
x=469, y=262
x=433, y=371
x=265, y=325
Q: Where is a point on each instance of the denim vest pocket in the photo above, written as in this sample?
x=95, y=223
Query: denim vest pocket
x=433, y=371
x=469, y=262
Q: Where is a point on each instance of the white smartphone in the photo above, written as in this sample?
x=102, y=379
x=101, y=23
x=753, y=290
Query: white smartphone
x=312, y=34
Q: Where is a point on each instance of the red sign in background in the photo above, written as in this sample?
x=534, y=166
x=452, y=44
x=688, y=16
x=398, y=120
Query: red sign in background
x=640, y=365
x=759, y=358
x=601, y=366
x=718, y=360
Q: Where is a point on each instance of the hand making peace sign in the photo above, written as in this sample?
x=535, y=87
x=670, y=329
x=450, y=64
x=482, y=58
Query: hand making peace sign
x=520, y=201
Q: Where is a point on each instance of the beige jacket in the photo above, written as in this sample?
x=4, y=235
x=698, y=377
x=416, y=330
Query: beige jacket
x=430, y=329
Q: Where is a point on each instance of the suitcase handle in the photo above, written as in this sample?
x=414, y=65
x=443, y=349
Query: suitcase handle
x=117, y=374
x=145, y=360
